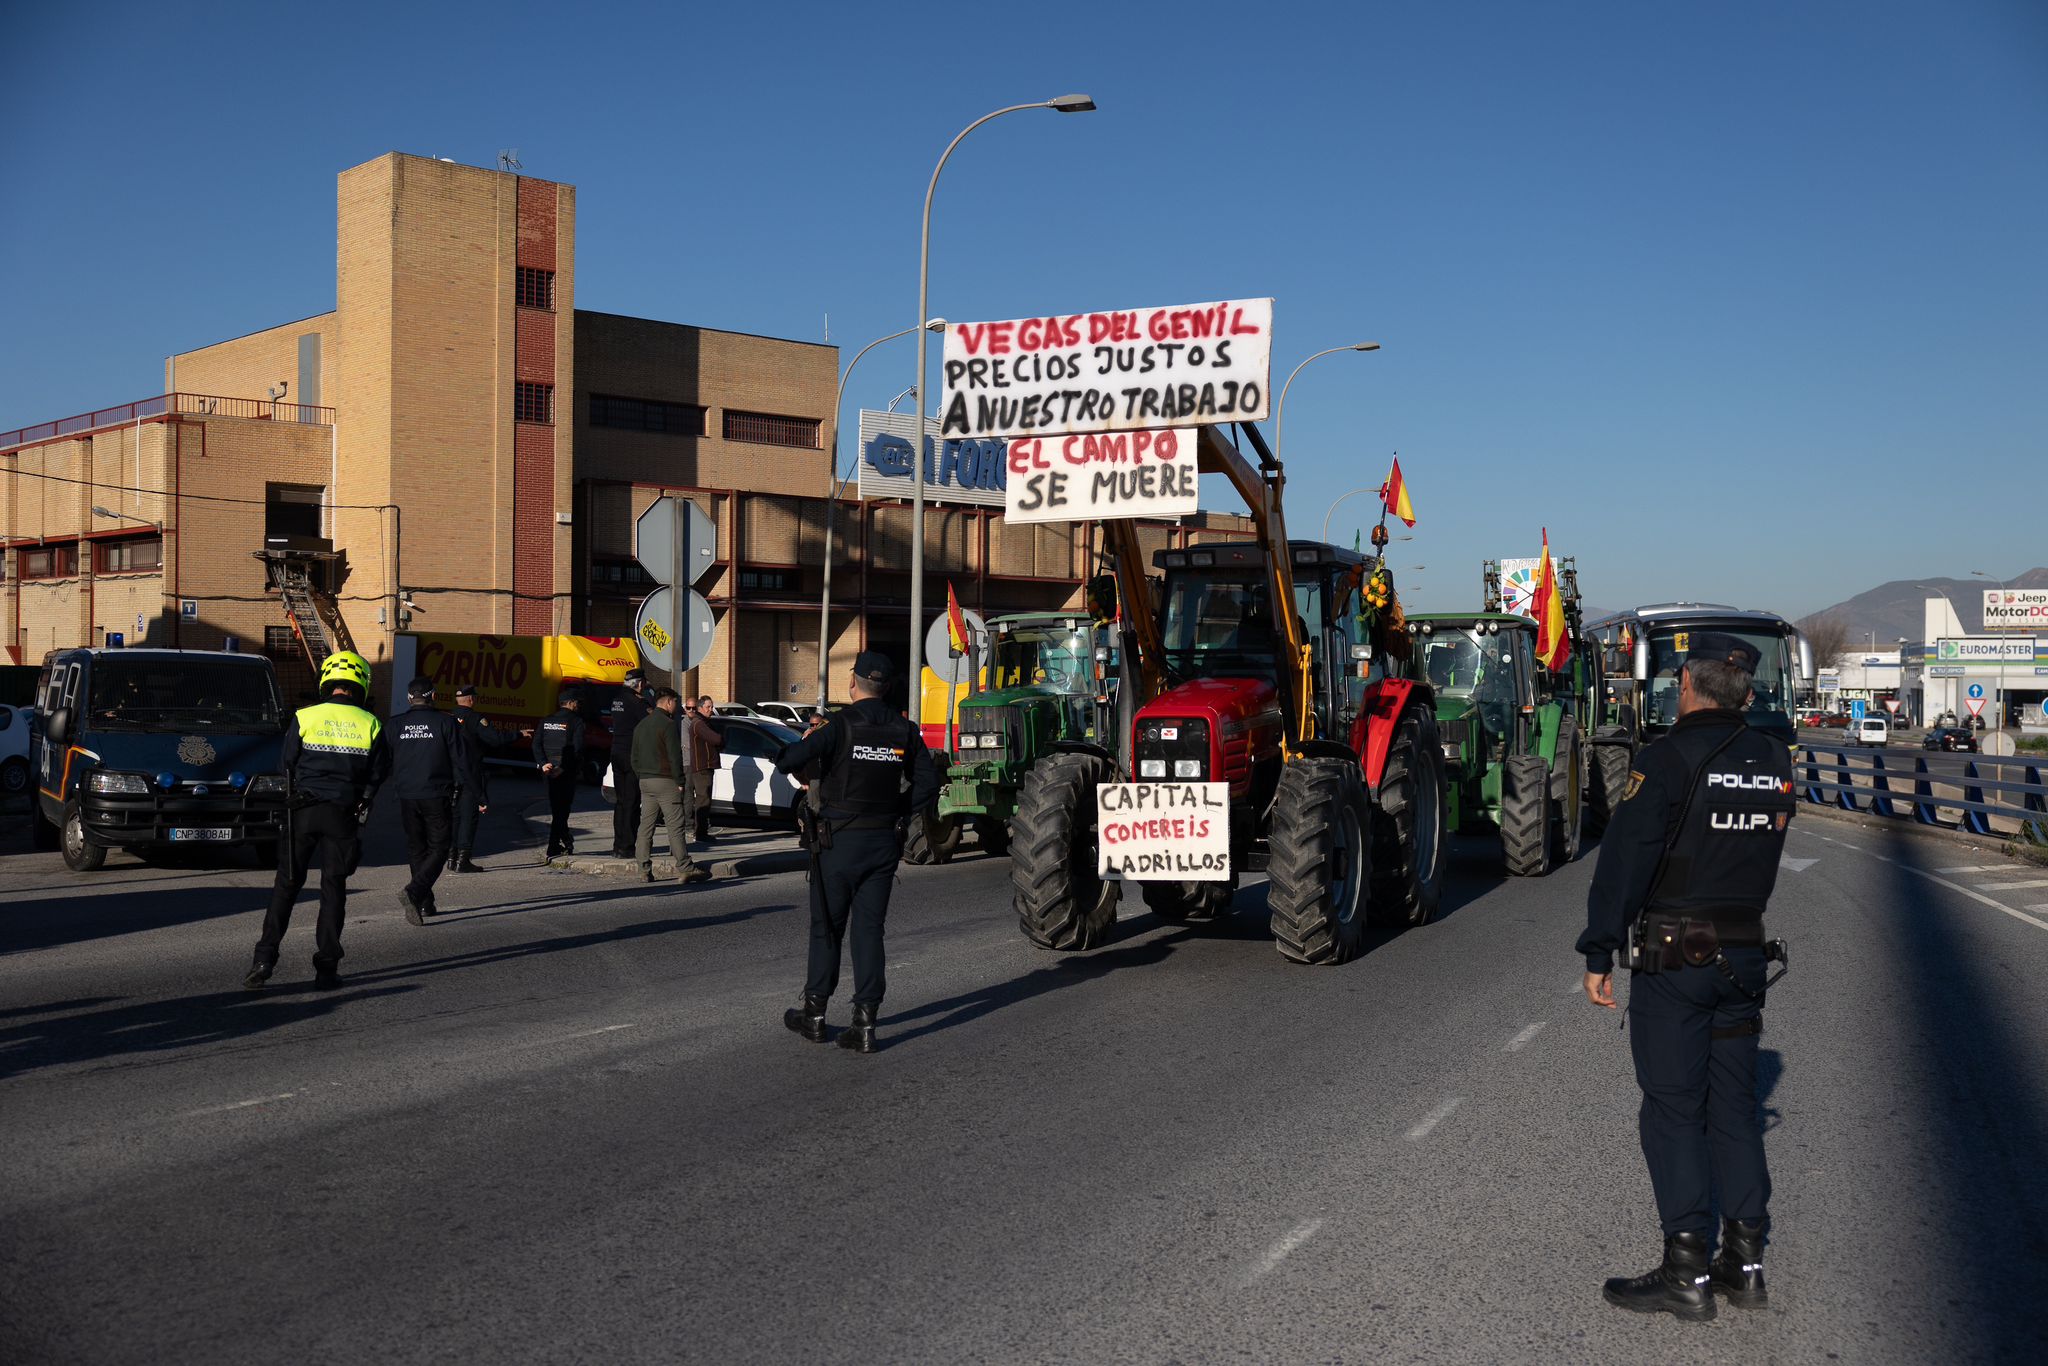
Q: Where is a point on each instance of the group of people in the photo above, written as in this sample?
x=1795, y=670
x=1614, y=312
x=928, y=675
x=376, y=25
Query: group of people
x=660, y=774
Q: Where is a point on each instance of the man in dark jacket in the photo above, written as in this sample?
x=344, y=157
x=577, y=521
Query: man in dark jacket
x=703, y=751
x=334, y=760
x=472, y=796
x=558, y=753
x=629, y=709
x=658, y=759
x=428, y=757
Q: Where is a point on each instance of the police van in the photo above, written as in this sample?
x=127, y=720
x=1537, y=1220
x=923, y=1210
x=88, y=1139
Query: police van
x=141, y=749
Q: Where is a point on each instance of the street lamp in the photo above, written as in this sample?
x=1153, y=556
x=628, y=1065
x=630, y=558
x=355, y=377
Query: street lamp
x=1280, y=409
x=111, y=515
x=833, y=490
x=1340, y=499
x=1064, y=104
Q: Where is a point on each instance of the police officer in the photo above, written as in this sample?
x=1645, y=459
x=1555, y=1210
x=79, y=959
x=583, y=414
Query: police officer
x=334, y=760
x=873, y=775
x=1687, y=864
x=472, y=796
x=629, y=709
x=428, y=757
x=558, y=754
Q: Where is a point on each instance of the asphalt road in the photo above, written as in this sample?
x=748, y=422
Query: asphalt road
x=567, y=1125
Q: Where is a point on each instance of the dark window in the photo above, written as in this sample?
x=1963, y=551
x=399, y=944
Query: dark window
x=767, y=580
x=144, y=554
x=646, y=415
x=49, y=561
x=291, y=510
x=533, y=402
x=620, y=576
x=768, y=429
x=536, y=287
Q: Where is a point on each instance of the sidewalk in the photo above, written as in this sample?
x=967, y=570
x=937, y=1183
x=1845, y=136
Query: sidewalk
x=734, y=851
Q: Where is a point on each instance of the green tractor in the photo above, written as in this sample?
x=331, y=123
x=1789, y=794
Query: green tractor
x=1045, y=688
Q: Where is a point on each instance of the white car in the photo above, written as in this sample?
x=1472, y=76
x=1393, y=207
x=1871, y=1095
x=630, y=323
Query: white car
x=788, y=713
x=1871, y=730
x=743, y=710
x=746, y=784
x=14, y=779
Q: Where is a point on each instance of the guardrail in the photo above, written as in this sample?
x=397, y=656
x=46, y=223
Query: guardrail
x=1858, y=779
x=201, y=405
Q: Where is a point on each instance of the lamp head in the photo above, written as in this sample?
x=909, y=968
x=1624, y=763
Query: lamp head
x=1366, y=346
x=935, y=325
x=1071, y=104
x=99, y=511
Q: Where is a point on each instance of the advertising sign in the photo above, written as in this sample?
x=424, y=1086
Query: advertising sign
x=971, y=471
x=1518, y=586
x=1078, y=478
x=2005, y=607
x=1186, y=366
x=1163, y=832
x=1984, y=650
x=514, y=676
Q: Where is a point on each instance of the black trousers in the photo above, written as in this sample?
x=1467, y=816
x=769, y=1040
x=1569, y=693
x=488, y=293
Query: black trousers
x=464, y=808
x=1700, y=1126
x=626, y=815
x=561, y=796
x=426, y=823
x=850, y=888
x=329, y=833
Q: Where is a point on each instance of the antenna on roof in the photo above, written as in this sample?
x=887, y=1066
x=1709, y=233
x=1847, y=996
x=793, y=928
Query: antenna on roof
x=508, y=159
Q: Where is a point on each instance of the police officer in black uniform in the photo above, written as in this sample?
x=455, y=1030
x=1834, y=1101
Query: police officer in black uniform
x=1687, y=864
x=872, y=774
x=472, y=794
x=428, y=757
x=629, y=709
x=558, y=754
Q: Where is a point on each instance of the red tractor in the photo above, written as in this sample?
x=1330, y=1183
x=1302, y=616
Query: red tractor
x=1332, y=761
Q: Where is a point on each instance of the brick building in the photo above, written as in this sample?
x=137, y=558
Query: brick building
x=476, y=450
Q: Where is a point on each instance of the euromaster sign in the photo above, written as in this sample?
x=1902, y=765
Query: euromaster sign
x=1186, y=366
x=2016, y=607
x=1984, y=650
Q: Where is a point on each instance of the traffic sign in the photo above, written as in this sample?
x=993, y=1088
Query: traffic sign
x=654, y=632
x=1858, y=709
x=1891, y=704
x=669, y=526
x=938, y=649
x=1976, y=706
x=1976, y=690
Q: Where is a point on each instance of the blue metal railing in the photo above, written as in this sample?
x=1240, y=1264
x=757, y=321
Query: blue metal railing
x=1892, y=784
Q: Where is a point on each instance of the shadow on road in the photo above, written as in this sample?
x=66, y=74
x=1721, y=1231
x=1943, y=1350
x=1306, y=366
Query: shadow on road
x=42, y=924
x=1061, y=972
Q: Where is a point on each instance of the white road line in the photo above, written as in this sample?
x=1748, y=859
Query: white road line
x=1282, y=1249
x=2039, y=906
x=1797, y=865
x=1521, y=1040
x=1974, y=868
x=1961, y=890
x=235, y=1105
x=2014, y=886
x=1434, y=1118
x=589, y=1033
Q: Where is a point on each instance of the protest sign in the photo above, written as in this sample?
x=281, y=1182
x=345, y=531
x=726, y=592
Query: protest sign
x=1082, y=477
x=1163, y=832
x=1187, y=366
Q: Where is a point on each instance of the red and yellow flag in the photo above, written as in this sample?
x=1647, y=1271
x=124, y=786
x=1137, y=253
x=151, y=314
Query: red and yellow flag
x=1394, y=494
x=1553, y=640
x=956, y=625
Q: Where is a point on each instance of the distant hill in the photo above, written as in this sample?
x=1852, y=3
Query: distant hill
x=1893, y=609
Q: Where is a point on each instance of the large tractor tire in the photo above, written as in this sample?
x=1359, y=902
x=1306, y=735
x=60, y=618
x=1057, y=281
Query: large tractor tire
x=1568, y=793
x=1061, y=902
x=1608, y=774
x=933, y=839
x=1321, y=861
x=1181, y=903
x=1408, y=825
x=1525, y=815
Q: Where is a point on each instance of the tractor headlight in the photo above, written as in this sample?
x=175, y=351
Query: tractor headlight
x=1151, y=768
x=118, y=784
x=1187, y=768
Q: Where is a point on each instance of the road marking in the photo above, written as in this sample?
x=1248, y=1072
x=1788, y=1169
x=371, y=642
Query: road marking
x=1521, y=1040
x=590, y=1033
x=1975, y=868
x=2039, y=906
x=235, y=1105
x=1281, y=1250
x=1961, y=890
x=2014, y=886
x=1434, y=1118
x=1797, y=865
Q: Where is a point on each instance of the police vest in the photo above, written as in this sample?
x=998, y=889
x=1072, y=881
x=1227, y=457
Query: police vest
x=338, y=728
x=868, y=779
x=1723, y=859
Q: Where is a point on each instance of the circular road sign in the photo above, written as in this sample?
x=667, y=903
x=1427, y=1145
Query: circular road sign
x=653, y=630
x=1976, y=690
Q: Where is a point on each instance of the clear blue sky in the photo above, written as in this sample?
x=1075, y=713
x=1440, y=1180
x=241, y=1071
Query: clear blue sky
x=1743, y=300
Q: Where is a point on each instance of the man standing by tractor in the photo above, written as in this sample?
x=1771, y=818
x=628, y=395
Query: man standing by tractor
x=629, y=709
x=1688, y=863
x=874, y=775
x=472, y=797
x=334, y=759
x=558, y=754
x=428, y=758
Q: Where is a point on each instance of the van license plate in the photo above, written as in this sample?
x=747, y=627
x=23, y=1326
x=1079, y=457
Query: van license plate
x=205, y=833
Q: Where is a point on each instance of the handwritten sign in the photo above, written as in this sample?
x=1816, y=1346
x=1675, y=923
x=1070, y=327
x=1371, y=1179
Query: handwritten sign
x=1163, y=832
x=1187, y=366
x=1083, y=477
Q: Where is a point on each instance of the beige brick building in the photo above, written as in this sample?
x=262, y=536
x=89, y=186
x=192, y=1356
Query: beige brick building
x=476, y=450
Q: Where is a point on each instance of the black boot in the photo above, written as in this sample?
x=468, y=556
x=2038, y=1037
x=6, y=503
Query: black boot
x=454, y=858
x=860, y=1035
x=259, y=972
x=1738, y=1271
x=807, y=1019
x=459, y=863
x=1679, y=1286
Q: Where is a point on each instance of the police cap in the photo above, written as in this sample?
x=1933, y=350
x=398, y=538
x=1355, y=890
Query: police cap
x=1718, y=648
x=421, y=687
x=466, y=690
x=568, y=696
x=874, y=667
x=635, y=676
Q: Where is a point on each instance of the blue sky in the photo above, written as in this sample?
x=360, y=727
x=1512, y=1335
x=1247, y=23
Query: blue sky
x=1742, y=300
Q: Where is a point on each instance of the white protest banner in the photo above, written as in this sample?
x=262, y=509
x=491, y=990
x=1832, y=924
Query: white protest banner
x=1188, y=366
x=1163, y=832
x=1082, y=477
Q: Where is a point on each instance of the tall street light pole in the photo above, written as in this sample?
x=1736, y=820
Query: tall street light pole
x=1280, y=409
x=832, y=491
x=1065, y=104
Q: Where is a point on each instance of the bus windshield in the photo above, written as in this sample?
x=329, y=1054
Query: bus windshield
x=1772, y=685
x=140, y=693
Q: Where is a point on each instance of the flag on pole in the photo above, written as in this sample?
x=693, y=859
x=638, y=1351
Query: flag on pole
x=1394, y=495
x=1553, y=643
x=956, y=625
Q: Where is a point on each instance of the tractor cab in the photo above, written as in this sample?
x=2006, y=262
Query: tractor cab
x=1483, y=671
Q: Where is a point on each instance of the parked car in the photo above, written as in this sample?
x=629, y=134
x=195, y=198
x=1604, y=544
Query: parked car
x=788, y=713
x=14, y=726
x=746, y=786
x=1871, y=730
x=1830, y=720
x=1950, y=738
x=741, y=709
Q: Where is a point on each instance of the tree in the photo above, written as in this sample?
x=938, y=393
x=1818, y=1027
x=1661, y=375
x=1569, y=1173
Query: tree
x=1829, y=637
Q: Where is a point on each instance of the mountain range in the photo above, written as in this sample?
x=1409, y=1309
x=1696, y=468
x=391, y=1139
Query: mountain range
x=1891, y=610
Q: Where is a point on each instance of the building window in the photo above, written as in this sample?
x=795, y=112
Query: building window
x=536, y=288
x=646, y=415
x=767, y=580
x=143, y=555
x=49, y=561
x=620, y=576
x=292, y=511
x=533, y=402
x=769, y=429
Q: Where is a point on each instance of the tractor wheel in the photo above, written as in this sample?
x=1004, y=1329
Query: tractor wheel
x=1525, y=815
x=933, y=839
x=1408, y=825
x=80, y=856
x=1608, y=772
x=1179, y=903
x=1062, y=903
x=1321, y=861
x=1568, y=793
x=994, y=836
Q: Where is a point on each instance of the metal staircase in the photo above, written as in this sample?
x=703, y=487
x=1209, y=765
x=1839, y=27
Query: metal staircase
x=303, y=580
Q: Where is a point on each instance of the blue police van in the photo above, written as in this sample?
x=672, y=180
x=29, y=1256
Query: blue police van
x=150, y=749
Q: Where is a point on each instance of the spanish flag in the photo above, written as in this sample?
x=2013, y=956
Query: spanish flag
x=1394, y=494
x=956, y=625
x=1553, y=642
